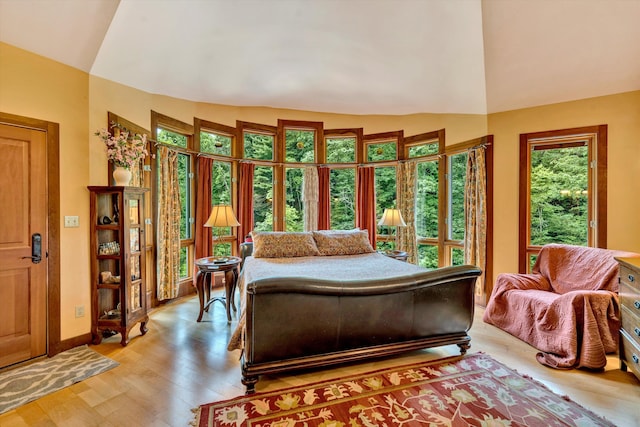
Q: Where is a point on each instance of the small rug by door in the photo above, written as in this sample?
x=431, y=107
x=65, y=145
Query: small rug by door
x=30, y=382
x=474, y=390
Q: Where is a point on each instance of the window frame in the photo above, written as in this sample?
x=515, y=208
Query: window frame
x=597, y=182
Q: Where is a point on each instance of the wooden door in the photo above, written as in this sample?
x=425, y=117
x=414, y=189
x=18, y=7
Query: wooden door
x=23, y=214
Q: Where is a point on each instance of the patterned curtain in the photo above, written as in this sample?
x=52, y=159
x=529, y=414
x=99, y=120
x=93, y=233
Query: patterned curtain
x=366, y=209
x=203, y=236
x=245, y=200
x=324, y=199
x=310, y=198
x=168, y=225
x=407, y=240
x=475, y=209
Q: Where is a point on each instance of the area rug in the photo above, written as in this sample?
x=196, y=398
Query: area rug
x=30, y=382
x=474, y=390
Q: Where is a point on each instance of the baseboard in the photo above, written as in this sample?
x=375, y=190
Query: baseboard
x=75, y=342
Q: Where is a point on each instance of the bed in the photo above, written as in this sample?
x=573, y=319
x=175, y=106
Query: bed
x=314, y=310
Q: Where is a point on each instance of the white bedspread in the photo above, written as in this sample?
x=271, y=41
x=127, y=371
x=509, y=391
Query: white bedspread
x=344, y=268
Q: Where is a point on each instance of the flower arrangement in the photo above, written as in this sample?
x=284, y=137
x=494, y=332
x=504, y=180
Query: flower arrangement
x=123, y=149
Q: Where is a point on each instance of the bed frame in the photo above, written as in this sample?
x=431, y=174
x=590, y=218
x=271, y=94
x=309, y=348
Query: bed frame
x=301, y=323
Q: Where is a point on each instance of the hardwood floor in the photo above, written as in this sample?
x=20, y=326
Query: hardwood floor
x=180, y=364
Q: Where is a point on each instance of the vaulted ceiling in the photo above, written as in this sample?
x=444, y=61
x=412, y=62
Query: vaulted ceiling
x=349, y=56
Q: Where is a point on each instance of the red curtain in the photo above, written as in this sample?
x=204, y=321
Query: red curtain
x=324, y=199
x=245, y=200
x=203, y=236
x=366, y=208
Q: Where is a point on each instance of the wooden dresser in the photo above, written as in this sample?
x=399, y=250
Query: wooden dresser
x=630, y=314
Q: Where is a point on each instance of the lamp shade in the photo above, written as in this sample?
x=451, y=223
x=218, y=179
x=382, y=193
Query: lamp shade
x=392, y=218
x=222, y=216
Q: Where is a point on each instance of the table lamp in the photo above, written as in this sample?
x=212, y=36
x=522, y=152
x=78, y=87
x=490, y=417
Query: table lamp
x=221, y=217
x=392, y=217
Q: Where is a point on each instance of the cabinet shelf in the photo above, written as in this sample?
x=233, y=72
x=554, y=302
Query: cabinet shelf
x=117, y=307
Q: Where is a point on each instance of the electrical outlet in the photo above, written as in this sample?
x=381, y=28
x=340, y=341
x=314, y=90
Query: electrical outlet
x=71, y=221
x=79, y=310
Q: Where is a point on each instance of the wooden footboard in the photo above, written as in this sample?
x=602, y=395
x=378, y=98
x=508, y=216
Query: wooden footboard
x=294, y=324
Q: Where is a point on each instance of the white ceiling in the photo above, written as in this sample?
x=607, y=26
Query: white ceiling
x=343, y=56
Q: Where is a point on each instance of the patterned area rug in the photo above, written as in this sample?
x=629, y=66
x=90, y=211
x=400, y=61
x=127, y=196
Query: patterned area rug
x=474, y=390
x=28, y=383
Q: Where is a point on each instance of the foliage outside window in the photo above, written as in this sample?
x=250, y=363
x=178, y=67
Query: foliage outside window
x=385, y=179
x=457, y=177
x=427, y=256
x=294, y=208
x=258, y=146
x=186, y=222
x=342, y=184
x=300, y=145
x=421, y=150
x=559, y=195
x=221, y=190
x=382, y=151
x=168, y=137
x=263, y=198
x=427, y=210
x=341, y=150
x=215, y=143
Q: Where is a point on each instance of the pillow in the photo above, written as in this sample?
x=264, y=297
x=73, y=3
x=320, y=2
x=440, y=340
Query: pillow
x=343, y=242
x=279, y=244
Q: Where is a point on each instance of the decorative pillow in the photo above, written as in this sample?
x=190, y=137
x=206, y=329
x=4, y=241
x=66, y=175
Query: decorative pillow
x=343, y=242
x=279, y=244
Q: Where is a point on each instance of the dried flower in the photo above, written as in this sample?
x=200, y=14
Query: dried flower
x=124, y=150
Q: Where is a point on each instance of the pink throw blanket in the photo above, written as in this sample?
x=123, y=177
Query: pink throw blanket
x=567, y=309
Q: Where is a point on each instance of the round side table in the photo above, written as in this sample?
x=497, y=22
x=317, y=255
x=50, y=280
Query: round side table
x=206, y=267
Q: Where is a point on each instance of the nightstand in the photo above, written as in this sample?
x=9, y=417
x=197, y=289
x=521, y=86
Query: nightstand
x=206, y=268
x=399, y=255
x=629, y=294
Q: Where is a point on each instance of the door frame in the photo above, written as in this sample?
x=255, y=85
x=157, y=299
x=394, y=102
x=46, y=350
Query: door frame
x=52, y=131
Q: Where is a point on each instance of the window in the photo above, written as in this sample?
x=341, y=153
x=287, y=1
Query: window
x=215, y=143
x=258, y=146
x=341, y=150
x=383, y=150
x=221, y=195
x=426, y=213
x=385, y=177
x=294, y=208
x=263, y=198
x=455, y=222
x=342, y=185
x=300, y=145
x=562, y=190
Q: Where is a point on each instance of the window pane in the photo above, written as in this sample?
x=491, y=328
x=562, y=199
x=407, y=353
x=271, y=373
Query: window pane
x=294, y=206
x=457, y=256
x=258, y=146
x=457, y=172
x=221, y=190
x=341, y=150
x=559, y=196
x=427, y=200
x=381, y=151
x=428, y=256
x=185, y=195
x=343, y=198
x=184, y=261
x=263, y=198
x=299, y=145
x=172, y=138
x=423, y=150
x=385, y=193
x=385, y=246
x=222, y=249
x=215, y=143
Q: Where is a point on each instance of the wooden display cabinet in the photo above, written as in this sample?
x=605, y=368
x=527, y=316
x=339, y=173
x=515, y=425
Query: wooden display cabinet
x=118, y=287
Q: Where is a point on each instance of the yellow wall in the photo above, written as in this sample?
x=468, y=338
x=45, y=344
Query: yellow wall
x=39, y=88
x=36, y=87
x=621, y=113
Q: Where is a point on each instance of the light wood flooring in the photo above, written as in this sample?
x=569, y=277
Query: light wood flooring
x=180, y=364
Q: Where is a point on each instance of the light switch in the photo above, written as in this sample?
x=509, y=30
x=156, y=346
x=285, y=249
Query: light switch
x=71, y=221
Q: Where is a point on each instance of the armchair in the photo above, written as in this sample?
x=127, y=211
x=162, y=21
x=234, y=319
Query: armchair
x=567, y=308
